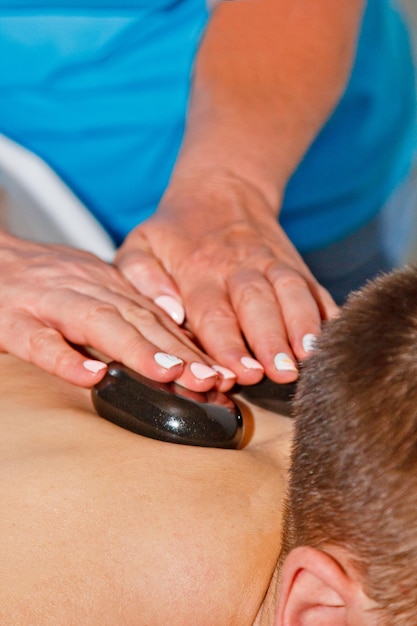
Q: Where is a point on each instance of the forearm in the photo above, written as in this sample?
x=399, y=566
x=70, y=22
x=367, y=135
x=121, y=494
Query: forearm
x=268, y=75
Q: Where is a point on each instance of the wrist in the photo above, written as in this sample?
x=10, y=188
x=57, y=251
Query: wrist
x=231, y=195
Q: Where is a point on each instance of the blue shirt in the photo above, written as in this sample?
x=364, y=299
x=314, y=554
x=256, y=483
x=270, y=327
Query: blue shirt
x=367, y=146
x=100, y=89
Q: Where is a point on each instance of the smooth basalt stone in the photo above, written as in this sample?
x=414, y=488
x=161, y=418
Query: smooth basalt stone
x=166, y=411
x=275, y=397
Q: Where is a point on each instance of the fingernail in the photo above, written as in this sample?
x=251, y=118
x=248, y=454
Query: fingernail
x=250, y=363
x=201, y=371
x=171, y=306
x=94, y=366
x=309, y=342
x=283, y=362
x=224, y=371
x=167, y=360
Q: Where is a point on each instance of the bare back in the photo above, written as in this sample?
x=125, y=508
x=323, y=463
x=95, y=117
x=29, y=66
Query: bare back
x=99, y=526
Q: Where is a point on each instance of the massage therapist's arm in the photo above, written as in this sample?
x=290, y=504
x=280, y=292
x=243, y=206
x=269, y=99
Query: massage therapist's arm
x=268, y=76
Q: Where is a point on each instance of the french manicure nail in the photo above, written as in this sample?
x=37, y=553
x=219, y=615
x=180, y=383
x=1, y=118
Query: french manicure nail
x=283, y=363
x=250, y=363
x=171, y=306
x=167, y=360
x=308, y=342
x=94, y=366
x=201, y=371
x=224, y=371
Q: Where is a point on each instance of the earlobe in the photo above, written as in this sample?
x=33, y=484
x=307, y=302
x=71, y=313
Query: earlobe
x=315, y=590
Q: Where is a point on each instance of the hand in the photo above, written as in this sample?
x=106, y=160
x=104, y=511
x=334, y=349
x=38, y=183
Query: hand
x=241, y=280
x=55, y=298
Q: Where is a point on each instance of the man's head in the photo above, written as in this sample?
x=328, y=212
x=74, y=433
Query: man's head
x=350, y=538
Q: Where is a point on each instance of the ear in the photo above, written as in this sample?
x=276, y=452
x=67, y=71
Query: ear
x=316, y=591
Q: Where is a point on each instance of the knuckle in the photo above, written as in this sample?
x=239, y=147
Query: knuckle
x=41, y=340
x=139, y=316
x=100, y=312
x=284, y=279
x=253, y=291
x=63, y=361
x=47, y=349
x=216, y=316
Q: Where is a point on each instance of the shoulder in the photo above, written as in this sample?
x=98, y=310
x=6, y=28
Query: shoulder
x=103, y=522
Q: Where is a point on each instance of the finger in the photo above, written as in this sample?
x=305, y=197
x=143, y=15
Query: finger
x=146, y=274
x=145, y=316
x=133, y=336
x=226, y=378
x=214, y=322
x=29, y=339
x=263, y=325
x=300, y=309
x=328, y=307
x=197, y=373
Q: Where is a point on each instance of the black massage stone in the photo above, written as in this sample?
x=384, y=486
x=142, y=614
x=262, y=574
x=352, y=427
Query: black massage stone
x=275, y=397
x=166, y=411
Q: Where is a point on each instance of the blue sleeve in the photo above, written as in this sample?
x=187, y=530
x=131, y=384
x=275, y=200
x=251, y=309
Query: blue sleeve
x=368, y=145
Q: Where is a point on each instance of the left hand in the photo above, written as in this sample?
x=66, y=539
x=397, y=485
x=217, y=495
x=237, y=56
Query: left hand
x=246, y=291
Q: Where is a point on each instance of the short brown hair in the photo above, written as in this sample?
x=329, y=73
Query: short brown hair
x=354, y=471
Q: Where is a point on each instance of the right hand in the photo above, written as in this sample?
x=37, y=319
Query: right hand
x=54, y=298
x=245, y=288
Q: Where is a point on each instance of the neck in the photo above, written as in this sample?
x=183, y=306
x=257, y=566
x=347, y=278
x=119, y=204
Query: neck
x=267, y=612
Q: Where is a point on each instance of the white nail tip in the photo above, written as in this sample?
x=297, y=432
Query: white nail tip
x=167, y=360
x=283, y=362
x=94, y=366
x=202, y=371
x=224, y=371
x=250, y=363
x=309, y=342
x=171, y=306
